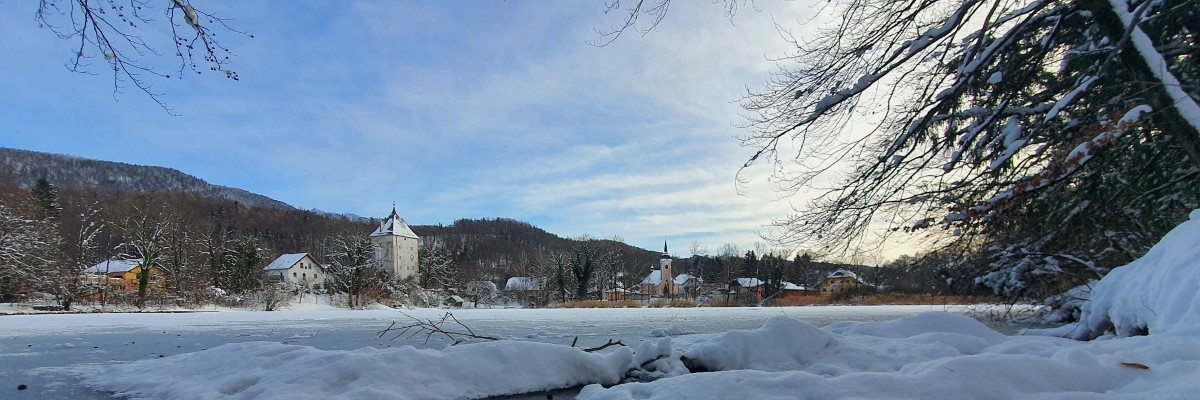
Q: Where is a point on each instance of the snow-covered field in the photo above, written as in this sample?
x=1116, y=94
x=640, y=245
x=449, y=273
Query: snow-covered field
x=52, y=354
x=1142, y=322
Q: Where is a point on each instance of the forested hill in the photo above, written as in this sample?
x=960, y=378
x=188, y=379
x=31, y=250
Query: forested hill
x=495, y=249
x=478, y=248
x=24, y=167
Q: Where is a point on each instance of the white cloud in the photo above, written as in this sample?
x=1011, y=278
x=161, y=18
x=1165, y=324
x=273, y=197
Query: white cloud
x=486, y=110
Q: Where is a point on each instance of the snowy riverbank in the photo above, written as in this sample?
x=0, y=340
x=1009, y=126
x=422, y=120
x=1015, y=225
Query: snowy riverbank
x=887, y=352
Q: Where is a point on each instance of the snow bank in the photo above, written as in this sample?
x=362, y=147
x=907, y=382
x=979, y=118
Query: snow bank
x=263, y=370
x=930, y=356
x=948, y=356
x=785, y=344
x=927, y=356
x=1157, y=294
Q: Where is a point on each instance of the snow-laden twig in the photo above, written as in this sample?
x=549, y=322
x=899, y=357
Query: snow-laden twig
x=431, y=328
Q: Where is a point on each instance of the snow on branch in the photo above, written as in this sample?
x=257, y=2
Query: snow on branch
x=1057, y=171
x=1183, y=102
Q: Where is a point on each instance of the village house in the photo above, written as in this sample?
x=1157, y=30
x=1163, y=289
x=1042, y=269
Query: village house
x=661, y=282
x=123, y=275
x=841, y=281
x=755, y=288
x=688, y=284
x=396, y=247
x=744, y=288
x=792, y=291
x=528, y=290
x=615, y=294
x=298, y=268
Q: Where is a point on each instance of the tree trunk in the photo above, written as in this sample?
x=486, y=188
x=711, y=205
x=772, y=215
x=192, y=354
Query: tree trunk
x=143, y=282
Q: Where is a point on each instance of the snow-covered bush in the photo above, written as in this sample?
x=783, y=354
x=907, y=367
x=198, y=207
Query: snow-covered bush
x=1156, y=294
x=272, y=297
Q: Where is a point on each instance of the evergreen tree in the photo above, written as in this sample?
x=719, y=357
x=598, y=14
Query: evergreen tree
x=772, y=271
x=45, y=195
x=750, y=265
x=582, y=268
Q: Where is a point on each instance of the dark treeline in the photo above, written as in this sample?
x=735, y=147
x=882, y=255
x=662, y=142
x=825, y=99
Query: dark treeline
x=209, y=243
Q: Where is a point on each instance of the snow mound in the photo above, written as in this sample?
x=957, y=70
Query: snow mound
x=785, y=344
x=670, y=330
x=1156, y=294
x=781, y=344
x=929, y=356
x=941, y=322
x=263, y=370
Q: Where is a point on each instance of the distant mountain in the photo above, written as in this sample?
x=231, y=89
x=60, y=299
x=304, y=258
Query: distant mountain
x=347, y=216
x=24, y=167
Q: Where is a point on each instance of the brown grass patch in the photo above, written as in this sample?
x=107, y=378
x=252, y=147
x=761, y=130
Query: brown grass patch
x=802, y=301
x=726, y=303
x=672, y=303
x=914, y=299
x=600, y=304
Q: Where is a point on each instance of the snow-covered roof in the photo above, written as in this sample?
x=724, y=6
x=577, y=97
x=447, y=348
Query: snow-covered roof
x=844, y=273
x=684, y=278
x=747, y=282
x=393, y=225
x=285, y=261
x=114, y=266
x=655, y=278
x=524, y=283
x=793, y=286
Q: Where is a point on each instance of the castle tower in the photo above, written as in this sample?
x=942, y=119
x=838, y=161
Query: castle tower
x=396, y=247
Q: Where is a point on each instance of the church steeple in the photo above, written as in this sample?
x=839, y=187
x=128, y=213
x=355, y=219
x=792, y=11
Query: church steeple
x=665, y=254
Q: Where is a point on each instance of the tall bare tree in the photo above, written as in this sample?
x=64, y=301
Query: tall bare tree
x=146, y=230
x=352, y=268
x=81, y=251
x=1012, y=126
x=122, y=34
x=25, y=248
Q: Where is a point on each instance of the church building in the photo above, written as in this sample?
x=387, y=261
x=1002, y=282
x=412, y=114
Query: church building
x=661, y=282
x=396, y=247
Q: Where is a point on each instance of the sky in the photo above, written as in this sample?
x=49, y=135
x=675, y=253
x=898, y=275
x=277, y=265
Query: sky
x=449, y=110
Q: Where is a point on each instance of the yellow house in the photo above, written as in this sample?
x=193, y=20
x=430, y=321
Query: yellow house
x=839, y=281
x=123, y=275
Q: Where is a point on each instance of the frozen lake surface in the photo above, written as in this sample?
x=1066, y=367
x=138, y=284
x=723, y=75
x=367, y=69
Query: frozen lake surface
x=34, y=349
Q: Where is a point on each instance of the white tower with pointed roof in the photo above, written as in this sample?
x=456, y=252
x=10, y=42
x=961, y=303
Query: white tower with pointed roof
x=396, y=246
x=668, y=287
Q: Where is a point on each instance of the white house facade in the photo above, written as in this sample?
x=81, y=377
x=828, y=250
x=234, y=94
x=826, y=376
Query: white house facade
x=297, y=268
x=396, y=247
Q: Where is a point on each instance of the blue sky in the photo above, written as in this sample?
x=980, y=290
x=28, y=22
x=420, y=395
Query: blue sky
x=463, y=110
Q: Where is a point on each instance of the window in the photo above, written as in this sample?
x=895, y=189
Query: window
x=293, y=274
